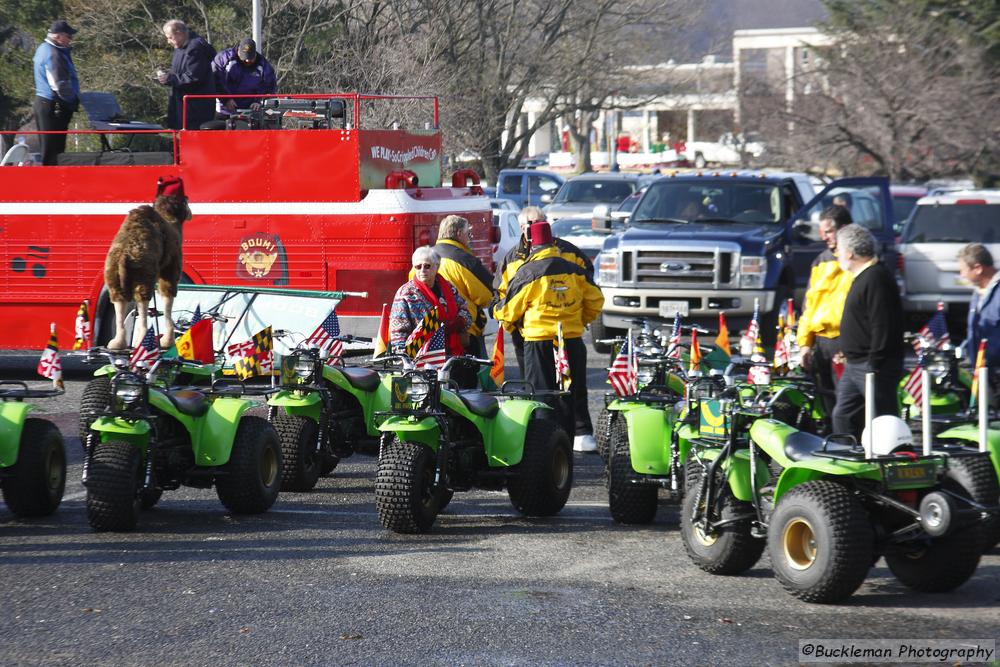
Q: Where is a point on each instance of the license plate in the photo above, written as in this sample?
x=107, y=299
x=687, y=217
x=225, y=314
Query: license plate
x=671, y=308
x=898, y=477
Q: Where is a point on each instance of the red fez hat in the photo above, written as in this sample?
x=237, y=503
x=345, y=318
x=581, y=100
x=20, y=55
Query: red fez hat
x=541, y=233
x=170, y=187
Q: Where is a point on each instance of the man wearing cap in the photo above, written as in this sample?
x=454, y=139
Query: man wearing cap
x=241, y=70
x=548, y=290
x=190, y=74
x=57, y=89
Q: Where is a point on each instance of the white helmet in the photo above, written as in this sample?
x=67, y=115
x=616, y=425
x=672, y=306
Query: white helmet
x=891, y=434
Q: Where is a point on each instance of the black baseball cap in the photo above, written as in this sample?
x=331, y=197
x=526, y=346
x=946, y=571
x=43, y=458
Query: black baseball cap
x=247, y=50
x=61, y=26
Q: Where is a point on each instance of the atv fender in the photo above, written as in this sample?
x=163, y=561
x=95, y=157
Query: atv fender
x=970, y=433
x=116, y=428
x=12, y=416
x=105, y=370
x=371, y=402
x=737, y=469
x=298, y=403
x=505, y=433
x=212, y=435
x=649, y=432
x=424, y=431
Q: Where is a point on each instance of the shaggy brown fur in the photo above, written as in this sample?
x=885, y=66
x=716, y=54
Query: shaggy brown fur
x=146, y=248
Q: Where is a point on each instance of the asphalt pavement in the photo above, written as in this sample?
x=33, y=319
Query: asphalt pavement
x=318, y=581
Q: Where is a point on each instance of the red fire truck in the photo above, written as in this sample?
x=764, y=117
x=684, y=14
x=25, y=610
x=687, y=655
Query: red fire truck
x=304, y=196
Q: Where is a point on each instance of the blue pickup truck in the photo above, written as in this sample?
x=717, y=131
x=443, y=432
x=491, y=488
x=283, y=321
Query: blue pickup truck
x=699, y=243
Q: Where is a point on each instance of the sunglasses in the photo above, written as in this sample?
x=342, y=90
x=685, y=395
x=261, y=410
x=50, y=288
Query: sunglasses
x=423, y=266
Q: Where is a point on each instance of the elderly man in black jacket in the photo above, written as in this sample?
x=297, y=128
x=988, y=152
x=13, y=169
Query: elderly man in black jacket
x=190, y=74
x=871, y=332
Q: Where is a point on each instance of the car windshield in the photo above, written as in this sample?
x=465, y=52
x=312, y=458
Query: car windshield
x=582, y=227
x=589, y=191
x=961, y=223
x=709, y=201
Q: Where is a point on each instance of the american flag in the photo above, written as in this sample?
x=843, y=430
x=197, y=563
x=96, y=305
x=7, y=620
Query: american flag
x=431, y=355
x=749, y=338
x=325, y=334
x=935, y=332
x=674, y=343
x=624, y=373
x=563, y=379
x=914, y=384
x=146, y=352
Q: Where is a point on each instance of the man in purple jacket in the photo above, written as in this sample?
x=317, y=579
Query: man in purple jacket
x=240, y=70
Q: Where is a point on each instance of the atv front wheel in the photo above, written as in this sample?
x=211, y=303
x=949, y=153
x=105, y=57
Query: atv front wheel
x=300, y=462
x=729, y=549
x=629, y=500
x=544, y=478
x=95, y=400
x=820, y=542
x=404, y=488
x=39, y=476
x=254, y=468
x=113, y=480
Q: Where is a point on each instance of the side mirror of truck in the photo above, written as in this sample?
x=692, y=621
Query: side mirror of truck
x=545, y=198
x=802, y=230
x=601, y=219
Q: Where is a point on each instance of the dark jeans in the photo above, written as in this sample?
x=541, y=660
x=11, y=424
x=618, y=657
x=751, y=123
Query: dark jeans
x=540, y=371
x=822, y=372
x=52, y=116
x=518, y=340
x=849, y=415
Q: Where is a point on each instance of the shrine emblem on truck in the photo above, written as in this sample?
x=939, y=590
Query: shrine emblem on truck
x=261, y=256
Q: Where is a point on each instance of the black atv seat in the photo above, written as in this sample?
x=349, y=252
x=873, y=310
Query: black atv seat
x=364, y=379
x=801, y=445
x=188, y=402
x=479, y=403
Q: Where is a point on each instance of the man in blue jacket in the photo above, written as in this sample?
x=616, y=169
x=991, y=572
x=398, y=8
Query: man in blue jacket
x=190, y=74
x=241, y=70
x=57, y=89
x=975, y=265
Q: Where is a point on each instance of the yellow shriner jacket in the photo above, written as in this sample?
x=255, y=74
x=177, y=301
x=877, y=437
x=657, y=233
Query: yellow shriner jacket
x=824, y=304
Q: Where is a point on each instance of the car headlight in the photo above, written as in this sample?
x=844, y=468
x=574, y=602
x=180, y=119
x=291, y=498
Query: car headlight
x=753, y=269
x=128, y=390
x=607, y=268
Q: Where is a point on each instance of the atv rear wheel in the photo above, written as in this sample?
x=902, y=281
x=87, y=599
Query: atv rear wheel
x=95, y=400
x=254, y=468
x=629, y=500
x=975, y=478
x=544, y=478
x=820, y=542
x=327, y=462
x=149, y=497
x=602, y=432
x=300, y=462
x=39, y=476
x=113, y=481
x=937, y=565
x=404, y=487
x=730, y=549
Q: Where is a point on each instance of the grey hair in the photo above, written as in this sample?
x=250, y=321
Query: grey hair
x=425, y=252
x=174, y=26
x=857, y=240
x=975, y=253
x=531, y=214
x=451, y=226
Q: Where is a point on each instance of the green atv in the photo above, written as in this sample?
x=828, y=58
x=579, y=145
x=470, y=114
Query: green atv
x=445, y=440
x=155, y=438
x=324, y=413
x=826, y=508
x=32, y=456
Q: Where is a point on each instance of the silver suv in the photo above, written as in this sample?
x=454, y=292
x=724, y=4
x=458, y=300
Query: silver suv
x=939, y=227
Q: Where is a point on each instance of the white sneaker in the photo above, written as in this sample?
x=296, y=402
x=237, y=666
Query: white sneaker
x=584, y=443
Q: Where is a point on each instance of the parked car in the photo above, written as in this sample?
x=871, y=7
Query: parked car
x=534, y=162
x=509, y=233
x=527, y=187
x=939, y=227
x=730, y=149
x=904, y=199
x=579, y=195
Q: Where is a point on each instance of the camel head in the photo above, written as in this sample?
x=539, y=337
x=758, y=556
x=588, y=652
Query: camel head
x=171, y=203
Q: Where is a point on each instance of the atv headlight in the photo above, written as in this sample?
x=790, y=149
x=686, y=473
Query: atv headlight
x=128, y=390
x=419, y=391
x=304, y=368
x=938, y=368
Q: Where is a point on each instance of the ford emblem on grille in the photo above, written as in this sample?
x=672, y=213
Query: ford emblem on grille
x=674, y=267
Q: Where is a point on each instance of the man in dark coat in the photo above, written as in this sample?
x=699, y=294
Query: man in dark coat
x=190, y=74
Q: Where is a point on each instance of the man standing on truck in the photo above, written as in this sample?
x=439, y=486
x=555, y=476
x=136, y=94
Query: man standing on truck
x=546, y=291
x=241, y=70
x=57, y=89
x=871, y=332
x=819, y=326
x=190, y=74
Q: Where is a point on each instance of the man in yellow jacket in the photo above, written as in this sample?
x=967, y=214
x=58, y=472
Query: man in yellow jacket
x=819, y=327
x=548, y=290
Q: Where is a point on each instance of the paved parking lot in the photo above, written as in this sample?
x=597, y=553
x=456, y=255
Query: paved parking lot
x=317, y=581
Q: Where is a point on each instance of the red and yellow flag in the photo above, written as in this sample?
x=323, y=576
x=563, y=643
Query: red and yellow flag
x=980, y=363
x=695, y=352
x=382, y=339
x=196, y=343
x=496, y=370
x=722, y=340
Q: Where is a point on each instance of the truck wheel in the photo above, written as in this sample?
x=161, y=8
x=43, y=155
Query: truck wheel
x=975, y=478
x=629, y=500
x=729, y=550
x=113, y=486
x=95, y=400
x=404, y=488
x=39, y=476
x=300, y=462
x=254, y=469
x=820, y=542
x=544, y=477
x=599, y=331
x=602, y=431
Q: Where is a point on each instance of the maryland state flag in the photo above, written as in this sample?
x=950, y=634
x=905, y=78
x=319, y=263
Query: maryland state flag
x=423, y=333
x=196, y=343
x=496, y=370
x=259, y=360
x=563, y=379
x=980, y=363
x=84, y=330
x=382, y=339
x=695, y=357
x=49, y=365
